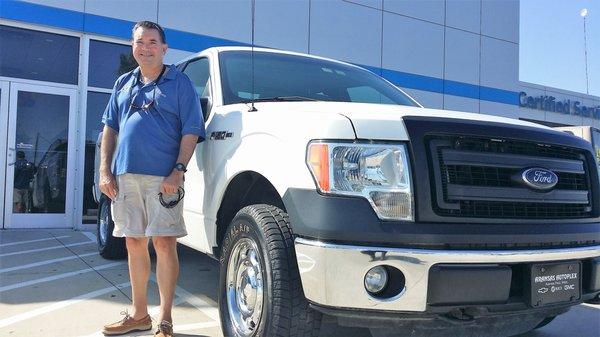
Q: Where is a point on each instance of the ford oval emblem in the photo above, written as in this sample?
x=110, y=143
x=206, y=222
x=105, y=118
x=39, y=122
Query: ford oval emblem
x=539, y=178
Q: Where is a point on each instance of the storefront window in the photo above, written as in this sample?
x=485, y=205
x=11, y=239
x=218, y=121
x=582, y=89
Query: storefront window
x=38, y=55
x=96, y=103
x=107, y=62
x=596, y=142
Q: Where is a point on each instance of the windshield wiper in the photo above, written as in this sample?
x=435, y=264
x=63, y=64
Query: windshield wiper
x=280, y=99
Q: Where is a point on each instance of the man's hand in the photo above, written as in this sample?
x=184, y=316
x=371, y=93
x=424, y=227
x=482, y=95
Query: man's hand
x=171, y=183
x=108, y=185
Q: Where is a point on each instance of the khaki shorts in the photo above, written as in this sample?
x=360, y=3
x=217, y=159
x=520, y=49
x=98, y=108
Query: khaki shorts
x=137, y=211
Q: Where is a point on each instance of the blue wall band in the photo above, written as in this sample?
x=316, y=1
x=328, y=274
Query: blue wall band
x=102, y=25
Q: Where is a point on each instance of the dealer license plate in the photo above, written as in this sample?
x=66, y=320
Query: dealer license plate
x=555, y=283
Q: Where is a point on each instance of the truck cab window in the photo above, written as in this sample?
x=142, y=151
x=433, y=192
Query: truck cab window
x=198, y=71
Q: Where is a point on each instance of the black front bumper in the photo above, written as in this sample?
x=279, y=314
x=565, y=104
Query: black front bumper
x=351, y=220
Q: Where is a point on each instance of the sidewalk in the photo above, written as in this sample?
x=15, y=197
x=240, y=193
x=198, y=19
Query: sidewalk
x=54, y=283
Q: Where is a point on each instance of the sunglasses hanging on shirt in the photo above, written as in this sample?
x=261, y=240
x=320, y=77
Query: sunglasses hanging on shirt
x=145, y=106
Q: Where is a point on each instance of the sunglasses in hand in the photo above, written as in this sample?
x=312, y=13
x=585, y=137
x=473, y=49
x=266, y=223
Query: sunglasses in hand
x=172, y=203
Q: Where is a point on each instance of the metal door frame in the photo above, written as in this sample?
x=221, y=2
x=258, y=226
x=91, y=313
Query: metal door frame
x=4, y=96
x=39, y=220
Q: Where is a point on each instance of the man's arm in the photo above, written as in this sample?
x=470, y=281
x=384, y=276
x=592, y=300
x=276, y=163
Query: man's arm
x=108, y=184
x=175, y=179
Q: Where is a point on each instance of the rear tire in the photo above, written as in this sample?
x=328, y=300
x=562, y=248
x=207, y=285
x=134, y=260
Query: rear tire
x=260, y=291
x=109, y=247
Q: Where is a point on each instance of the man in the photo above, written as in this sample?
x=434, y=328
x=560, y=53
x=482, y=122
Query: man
x=155, y=112
x=23, y=176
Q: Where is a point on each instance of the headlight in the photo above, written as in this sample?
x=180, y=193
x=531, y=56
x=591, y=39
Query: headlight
x=378, y=172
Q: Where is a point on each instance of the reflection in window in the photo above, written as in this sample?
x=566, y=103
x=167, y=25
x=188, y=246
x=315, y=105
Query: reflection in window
x=596, y=142
x=368, y=95
x=41, y=144
x=278, y=75
x=38, y=55
x=198, y=72
x=96, y=103
x=108, y=61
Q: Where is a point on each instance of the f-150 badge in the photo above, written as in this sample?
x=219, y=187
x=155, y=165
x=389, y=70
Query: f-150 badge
x=220, y=135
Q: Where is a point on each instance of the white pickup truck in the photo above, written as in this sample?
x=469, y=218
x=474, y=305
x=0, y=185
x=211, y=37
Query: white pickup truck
x=323, y=189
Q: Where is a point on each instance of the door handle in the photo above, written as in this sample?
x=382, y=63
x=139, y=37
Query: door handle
x=11, y=164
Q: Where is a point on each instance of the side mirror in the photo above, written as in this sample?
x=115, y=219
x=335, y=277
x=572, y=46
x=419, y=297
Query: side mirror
x=206, y=105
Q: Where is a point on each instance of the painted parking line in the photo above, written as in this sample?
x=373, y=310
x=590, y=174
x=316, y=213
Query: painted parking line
x=58, y=305
x=90, y=236
x=156, y=309
x=194, y=326
x=152, y=312
x=30, y=241
x=58, y=277
x=46, y=248
x=42, y=263
x=206, y=307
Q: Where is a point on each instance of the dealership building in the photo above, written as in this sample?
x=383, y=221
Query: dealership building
x=59, y=60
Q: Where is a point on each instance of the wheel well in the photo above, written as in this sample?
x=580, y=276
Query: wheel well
x=247, y=188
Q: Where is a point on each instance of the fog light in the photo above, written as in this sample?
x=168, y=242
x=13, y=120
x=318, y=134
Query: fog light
x=376, y=279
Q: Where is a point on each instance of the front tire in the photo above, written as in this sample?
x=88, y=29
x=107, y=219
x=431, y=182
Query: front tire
x=260, y=292
x=109, y=247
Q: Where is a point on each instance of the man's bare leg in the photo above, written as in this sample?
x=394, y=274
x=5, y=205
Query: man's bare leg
x=167, y=271
x=139, y=273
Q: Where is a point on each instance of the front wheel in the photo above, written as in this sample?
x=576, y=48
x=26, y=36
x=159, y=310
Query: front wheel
x=109, y=247
x=260, y=290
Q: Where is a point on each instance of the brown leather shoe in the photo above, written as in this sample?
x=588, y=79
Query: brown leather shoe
x=165, y=329
x=127, y=324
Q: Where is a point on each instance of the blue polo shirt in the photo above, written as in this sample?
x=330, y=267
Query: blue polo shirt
x=149, y=139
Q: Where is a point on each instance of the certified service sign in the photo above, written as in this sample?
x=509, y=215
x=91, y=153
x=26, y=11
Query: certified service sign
x=539, y=178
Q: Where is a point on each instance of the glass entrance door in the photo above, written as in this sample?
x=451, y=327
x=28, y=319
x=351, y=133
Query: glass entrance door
x=40, y=157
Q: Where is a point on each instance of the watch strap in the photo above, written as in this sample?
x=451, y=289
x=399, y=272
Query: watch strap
x=180, y=167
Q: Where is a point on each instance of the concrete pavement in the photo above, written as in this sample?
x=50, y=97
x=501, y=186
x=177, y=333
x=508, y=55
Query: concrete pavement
x=54, y=283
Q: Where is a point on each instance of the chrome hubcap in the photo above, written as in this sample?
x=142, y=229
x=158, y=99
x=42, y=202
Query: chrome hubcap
x=244, y=287
x=104, y=225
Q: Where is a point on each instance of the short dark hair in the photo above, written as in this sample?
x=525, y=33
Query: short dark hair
x=150, y=25
x=20, y=154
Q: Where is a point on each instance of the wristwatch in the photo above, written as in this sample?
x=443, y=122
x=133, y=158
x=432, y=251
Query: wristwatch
x=180, y=167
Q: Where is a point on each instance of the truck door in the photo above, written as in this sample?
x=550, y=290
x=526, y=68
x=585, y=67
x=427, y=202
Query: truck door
x=200, y=229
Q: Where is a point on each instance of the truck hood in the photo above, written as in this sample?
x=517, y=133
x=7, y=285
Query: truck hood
x=379, y=121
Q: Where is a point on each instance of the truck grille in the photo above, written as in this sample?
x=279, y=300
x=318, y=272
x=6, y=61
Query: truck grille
x=501, y=177
x=475, y=177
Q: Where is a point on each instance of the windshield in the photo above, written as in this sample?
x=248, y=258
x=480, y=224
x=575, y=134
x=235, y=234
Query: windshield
x=290, y=77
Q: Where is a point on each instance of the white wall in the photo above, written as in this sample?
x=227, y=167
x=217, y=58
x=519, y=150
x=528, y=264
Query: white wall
x=345, y=31
x=229, y=20
x=282, y=24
